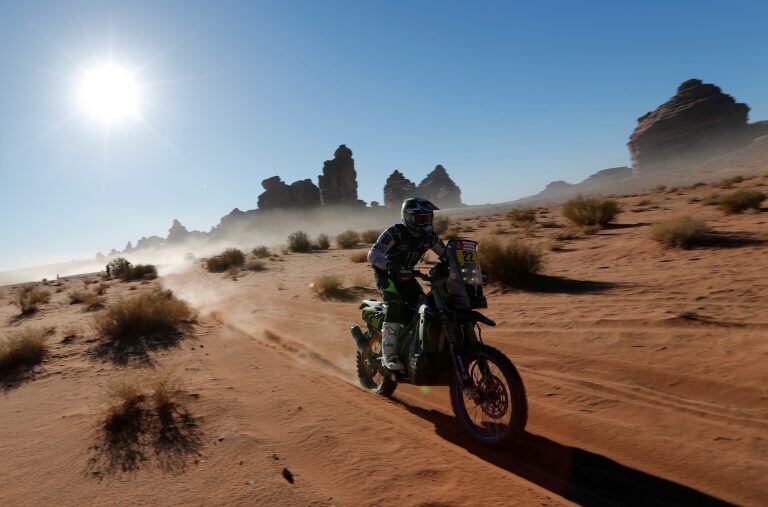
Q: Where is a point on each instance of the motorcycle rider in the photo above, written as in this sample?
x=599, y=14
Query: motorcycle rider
x=399, y=248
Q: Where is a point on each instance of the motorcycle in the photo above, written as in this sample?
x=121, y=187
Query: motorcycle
x=443, y=346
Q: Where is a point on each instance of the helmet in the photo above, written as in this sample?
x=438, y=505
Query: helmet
x=417, y=214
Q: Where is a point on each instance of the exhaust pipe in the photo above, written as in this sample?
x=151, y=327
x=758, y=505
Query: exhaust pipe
x=360, y=340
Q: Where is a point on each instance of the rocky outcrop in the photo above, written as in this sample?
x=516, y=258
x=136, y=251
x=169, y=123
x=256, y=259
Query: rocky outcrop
x=279, y=195
x=397, y=188
x=149, y=242
x=338, y=183
x=556, y=187
x=177, y=233
x=439, y=188
x=698, y=123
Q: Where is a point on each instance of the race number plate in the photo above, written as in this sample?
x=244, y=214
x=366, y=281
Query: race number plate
x=466, y=252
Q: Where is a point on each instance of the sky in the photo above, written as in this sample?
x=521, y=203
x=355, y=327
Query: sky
x=508, y=96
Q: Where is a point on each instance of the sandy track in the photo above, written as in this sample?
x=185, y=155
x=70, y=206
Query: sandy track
x=629, y=402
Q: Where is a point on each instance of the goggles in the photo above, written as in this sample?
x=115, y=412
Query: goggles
x=422, y=218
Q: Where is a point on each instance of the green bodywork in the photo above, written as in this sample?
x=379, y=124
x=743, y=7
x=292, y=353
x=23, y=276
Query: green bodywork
x=374, y=317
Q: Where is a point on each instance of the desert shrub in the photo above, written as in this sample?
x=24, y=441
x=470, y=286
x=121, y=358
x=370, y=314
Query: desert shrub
x=29, y=297
x=591, y=229
x=260, y=252
x=741, y=200
x=20, y=348
x=553, y=246
x=359, y=257
x=512, y=263
x=729, y=182
x=440, y=223
x=711, y=199
x=550, y=224
x=327, y=286
x=255, y=265
x=152, y=315
x=347, y=239
x=522, y=216
x=590, y=211
x=231, y=257
x=77, y=297
x=644, y=202
x=299, y=242
x=369, y=236
x=101, y=289
x=139, y=272
x=659, y=188
x=680, y=232
x=322, y=242
x=118, y=266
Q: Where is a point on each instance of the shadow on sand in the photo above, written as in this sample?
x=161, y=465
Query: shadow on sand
x=134, y=350
x=575, y=474
x=135, y=436
x=561, y=285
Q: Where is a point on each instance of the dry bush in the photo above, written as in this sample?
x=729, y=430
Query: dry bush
x=591, y=229
x=553, y=246
x=327, y=286
x=741, y=200
x=322, y=242
x=22, y=348
x=260, y=252
x=729, y=182
x=440, y=223
x=139, y=272
x=154, y=315
x=644, y=202
x=347, y=239
x=255, y=265
x=29, y=297
x=680, y=232
x=231, y=257
x=101, y=289
x=498, y=229
x=118, y=266
x=550, y=224
x=145, y=417
x=299, y=242
x=590, y=211
x=522, y=216
x=77, y=297
x=513, y=263
x=659, y=188
x=359, y=257
x=711, y=199
x=370, y=236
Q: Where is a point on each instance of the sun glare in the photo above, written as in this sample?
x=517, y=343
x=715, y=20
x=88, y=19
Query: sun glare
x=109, y=93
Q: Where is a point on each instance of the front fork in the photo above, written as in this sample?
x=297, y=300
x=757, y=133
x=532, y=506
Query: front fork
x=461, y=371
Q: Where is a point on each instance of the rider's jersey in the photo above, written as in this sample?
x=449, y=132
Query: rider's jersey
x=399, y=247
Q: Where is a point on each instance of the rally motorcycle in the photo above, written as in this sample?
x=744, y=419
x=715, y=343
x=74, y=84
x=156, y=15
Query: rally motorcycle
x=443, y=346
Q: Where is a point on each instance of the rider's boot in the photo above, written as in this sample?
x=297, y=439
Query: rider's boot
x=390, y=333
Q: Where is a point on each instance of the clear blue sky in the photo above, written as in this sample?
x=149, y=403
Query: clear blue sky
x=506, y=95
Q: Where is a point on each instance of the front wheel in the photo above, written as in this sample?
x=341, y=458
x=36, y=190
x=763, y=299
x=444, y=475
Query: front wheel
x=369, y=370
x=494, y=409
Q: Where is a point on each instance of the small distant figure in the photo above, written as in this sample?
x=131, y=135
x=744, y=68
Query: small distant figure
x=108, y=272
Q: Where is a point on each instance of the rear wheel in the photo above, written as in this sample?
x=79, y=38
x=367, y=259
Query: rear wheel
x=369, y=370
x=494, y=409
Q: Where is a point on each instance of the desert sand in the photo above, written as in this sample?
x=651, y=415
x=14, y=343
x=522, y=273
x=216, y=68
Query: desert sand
x=646, y=371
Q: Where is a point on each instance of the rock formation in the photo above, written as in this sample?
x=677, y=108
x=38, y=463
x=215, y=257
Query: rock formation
x=397, y=188
x=439, y=188
x=338, y=183
x=177, y=233
x=698, y=123
x=149, y=242
x=279, y=195
x=556, y=188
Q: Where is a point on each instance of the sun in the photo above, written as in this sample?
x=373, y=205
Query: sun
x=109, y=93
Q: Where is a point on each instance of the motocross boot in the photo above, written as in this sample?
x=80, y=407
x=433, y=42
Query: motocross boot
x=390, y=334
